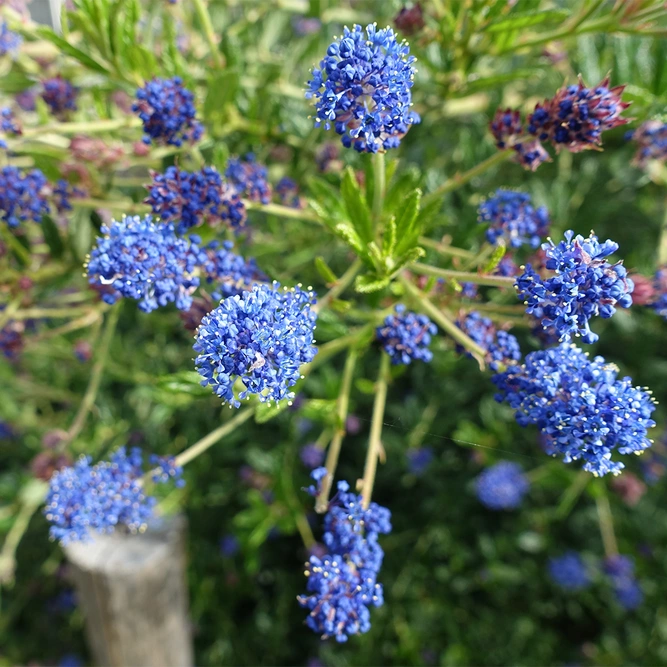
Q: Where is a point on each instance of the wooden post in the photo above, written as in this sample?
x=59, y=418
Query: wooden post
x=133, y=592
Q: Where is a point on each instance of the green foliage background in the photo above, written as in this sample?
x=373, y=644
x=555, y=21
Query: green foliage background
x=462, y=585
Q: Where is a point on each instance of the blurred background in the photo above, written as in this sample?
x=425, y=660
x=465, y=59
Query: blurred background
x=463, y=585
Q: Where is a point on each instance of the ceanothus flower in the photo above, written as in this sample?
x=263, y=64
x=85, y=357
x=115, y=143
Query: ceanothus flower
x=141, y=260
x=580, y=405
x=363, y=88
x=188, y=199
x=23, y=195
x=659, y=297
x=250, y=178
x=651, y=137
x=584, y=285
x=501, y=347
x=342, y=584
x=167, y=110
x=9, y=125
x=621, y=572
x=288, y=193
x=406, y=336
x=569, y=571
x=506, y=127
x=260, y=337
x=9, y=41
x=576, y=116
x=513, y=220
x=229, y=273
x=166, y=470
x=59, y=95
x=98, y=498
x=63, y=192
x=502, y=486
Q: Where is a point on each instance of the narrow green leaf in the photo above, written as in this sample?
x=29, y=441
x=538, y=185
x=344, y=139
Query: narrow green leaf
x=52, y=237
x=370, y=283
x=494, y=260
x=350, y=236
x=408, y=223
x=323, y=269
x=66, y=47
x=389, y=238
x=356, y=206
x=522, y=20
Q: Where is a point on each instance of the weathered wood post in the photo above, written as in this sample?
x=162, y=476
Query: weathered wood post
x=133, y=592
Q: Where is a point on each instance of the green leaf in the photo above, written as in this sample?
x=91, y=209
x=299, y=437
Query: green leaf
x=370, y=282
x=356, y=206
x=521, y=20
x=350, y=236
x=183, y=382
x=52, y=237
x=326, y=201
x=365, y=386
x=408, y=223
x=410, y=256
x=267, y=411
x=66, y=47
x=222, y=88
x=318, y=409
x=389, y=238
x=323, y=269
x=494, y=260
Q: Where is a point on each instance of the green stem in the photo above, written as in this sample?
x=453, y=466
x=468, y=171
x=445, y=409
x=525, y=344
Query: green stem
x=84, y=127
x=379, y=186
x=444, y=322
x=333, y=453
x=209, y=33
x=202, y=445
x=95, y=376
x=462, y=276
x=458, y=180
x=283, y=211
x=8, y=313
x=375, y=442
x=55, y=313
x=572, y=493
x=73, y=325
x=662, y=247
x=606, y=524
x=126, y=206
x=18, y=248
x=339, y=287
x=333, y=347
x=445, y=249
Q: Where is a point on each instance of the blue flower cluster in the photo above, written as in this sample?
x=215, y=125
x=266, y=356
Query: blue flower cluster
x=569, y=571
x=22, y=195
x=9, y=41
x=621, y=572
x=406, y=336
x=513, y=220
x=261, y=337
x=581, y=406
x=311, y=455
x=651, y=137
x=250, y=178
x=188, y=199
x=506, y=128
x=576, y=116
x=363, y=87
x=342, y=584
x=84, y=497
x=502, y=486
x=502, y=348
x=167, y=110
x=166, y=470
x=9, y=125
x=227, y=272
x=140, y=260
x=584, y=285
x=288, y=193
x=63, y=192
x=59, y=95
x=419, y=459
x=659, y=296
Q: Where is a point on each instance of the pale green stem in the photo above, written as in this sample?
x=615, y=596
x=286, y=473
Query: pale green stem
x=379, y=186
x=46, y=313
x=569, y=498
x=8, y=313
x=445, y=249
x=462, y=276
x=202, y=445
x=606, y=524
x=333, y=452
x=95, y=376
x=333, y=347
x=339, y=287
x=662, y=247
x=207, y=26
x=74, y=325
x=84, y=127
x=375, y=441
x=283, y=211
x=458, y=180
x=444, y=322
